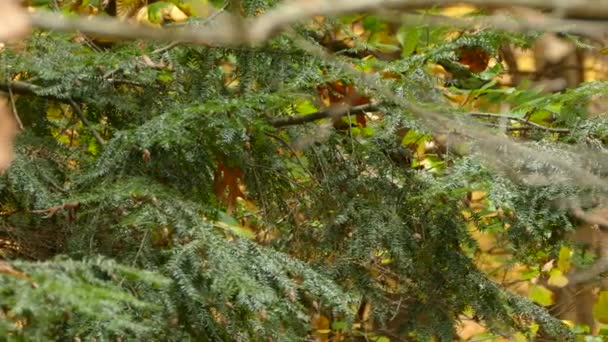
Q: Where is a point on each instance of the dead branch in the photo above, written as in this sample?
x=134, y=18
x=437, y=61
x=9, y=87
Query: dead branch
x=263, y=27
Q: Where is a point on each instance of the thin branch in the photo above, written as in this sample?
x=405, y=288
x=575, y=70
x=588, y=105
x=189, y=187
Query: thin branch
x=302, y=119
x=32, y=89
x=166, y=48
x=176, y=43
x=518, y=119
x=84, y=120
x=338, y=113
x=14, y=106
x=295, y=154
x=21, y=87
x=287, y=13
x=587, y=28
x=112, y=27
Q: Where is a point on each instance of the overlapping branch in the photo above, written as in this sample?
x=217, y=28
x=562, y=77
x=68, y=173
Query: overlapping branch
x=265, y=26
x=21, y=87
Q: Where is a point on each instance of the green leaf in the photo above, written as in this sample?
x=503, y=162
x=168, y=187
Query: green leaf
x=530, y=274
x=408, y=37
x=155, y=11
x=563, y=260
x=305, y=107
x=541, y=295
x=339, y=325
x=382, y=339
x=165, y=76
x=231, y=224
x=600, y=309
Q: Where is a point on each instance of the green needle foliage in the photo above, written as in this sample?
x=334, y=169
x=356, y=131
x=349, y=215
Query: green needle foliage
x=133, y=240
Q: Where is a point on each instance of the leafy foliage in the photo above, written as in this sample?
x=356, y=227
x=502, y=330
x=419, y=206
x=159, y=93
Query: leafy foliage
x=199, y=219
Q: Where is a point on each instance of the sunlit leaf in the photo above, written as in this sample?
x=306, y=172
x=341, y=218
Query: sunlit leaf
x=600, y=309
x=408, y=37
x=230, y=223
x=541, y=295
x=382, y=339
x=519, y=337
x=339, y=325
x=305, y=107
x=564, y=261
x=557, y=278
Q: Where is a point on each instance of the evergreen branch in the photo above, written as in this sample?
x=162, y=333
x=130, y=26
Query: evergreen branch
x=31, y=89
x=295, y=154
x=302, y=119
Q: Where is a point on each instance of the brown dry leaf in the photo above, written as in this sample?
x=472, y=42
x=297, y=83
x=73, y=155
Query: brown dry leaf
x=8, y=130
x=321, y=325
x=8, y=269
x=227, y=185
x=146, y=156
x=475, y=58
x=15, y=22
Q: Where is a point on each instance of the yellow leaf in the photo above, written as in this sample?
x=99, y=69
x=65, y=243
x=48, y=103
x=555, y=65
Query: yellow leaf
x=600, y=309
x=142, y=17
x=519, y=337
x=477, y=196
x=563, y=261
x=557, y=278
x=541, y=295
x=176, y=14
x=534, y=329
x=126, y=8
x=569, y=323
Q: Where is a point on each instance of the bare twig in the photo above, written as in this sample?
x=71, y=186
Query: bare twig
x=301, y=119
x=173, y=44
x=295, y=154
x=21, y=87
x=85, y=121
x=14, y=106
x=533, y=125
x=338, y=113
